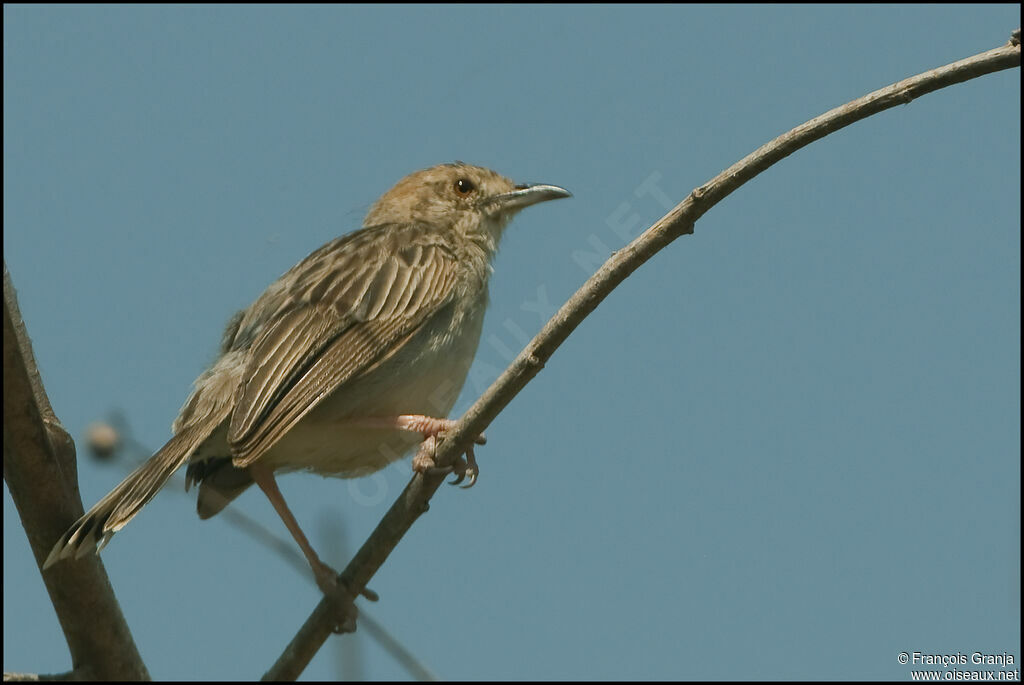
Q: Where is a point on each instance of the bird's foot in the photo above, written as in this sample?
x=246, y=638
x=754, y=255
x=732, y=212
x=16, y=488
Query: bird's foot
x=433, y=431
x=424, y=462
x=428, y=426
x=464, y=466
x=342, y=602
x=327, y=580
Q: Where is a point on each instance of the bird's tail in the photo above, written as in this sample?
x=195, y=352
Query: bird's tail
x=92, y=531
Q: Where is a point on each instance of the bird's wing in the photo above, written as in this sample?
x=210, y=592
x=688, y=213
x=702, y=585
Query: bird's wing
x=355, y=303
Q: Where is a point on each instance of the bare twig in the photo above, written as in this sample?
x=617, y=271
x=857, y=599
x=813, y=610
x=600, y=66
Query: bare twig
x=39, y=468
x=679, y=221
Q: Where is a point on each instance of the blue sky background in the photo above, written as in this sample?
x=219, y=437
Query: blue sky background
x=787, y=447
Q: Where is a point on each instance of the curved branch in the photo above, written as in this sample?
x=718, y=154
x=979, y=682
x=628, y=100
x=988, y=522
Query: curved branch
x=679, y=221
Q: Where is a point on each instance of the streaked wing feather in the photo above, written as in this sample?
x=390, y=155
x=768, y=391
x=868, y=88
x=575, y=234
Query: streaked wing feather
x=338, y=332
x=356, y=352
x=275, y=358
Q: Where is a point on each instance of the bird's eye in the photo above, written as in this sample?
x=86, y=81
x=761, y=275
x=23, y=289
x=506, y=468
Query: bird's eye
x=464, y=186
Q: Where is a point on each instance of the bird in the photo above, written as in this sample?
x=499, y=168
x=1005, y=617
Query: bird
x=348, y=361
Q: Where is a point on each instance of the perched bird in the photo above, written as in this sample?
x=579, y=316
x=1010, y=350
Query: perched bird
x=345, y=363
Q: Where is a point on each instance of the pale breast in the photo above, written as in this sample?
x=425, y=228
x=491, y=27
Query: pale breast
x=425, y=376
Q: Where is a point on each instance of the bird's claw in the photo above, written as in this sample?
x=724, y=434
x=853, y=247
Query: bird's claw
x=345, y=611
x=465, y=466
x=424, y=462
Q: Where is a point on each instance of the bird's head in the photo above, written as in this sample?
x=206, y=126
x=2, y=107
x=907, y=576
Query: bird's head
x=473, y=200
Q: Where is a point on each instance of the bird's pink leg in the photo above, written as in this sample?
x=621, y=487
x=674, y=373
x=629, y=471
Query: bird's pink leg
x=326, y=577
x=430, y=428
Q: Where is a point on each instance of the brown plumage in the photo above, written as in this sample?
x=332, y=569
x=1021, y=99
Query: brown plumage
x=378, y=325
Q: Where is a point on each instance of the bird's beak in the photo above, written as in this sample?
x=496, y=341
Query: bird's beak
x=524, y=196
